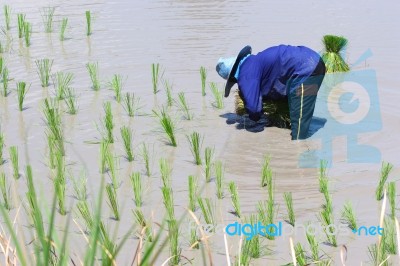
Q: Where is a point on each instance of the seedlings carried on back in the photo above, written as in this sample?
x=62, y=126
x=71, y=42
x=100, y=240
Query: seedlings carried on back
x=44, y=69
x=27, y=33
x=289, y=205
x=165, y=170
x=93, y=69
x=7, y=16
x=64, y=24
x=14, y=161
x=235, y=199
x=126, y=135
x=116, y=85
x=385, y=171
x=195, y=141
x=113, y=200
x=47, y=17
x=203, y=77
x=183, y=105
x=168, y=125
x=349, y=216
x=218, y=96
x=136, y=182
x=21, y=93
x=21, y=25
x=88, y=23
x=331, y=56
x=208, y=155
x=130, y=102
x=392, y=198
x=155, y=76
x=5, y=192
x=219, y=179
x=193, y=187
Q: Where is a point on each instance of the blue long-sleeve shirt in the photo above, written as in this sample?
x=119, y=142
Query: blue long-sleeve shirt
x=266, y=74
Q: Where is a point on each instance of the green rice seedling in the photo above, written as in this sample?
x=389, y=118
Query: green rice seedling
x=80, y=188
x=70, y=101
x=60, y=182
x=193, y=187
x=126, y=135
x=93, y=69
x=331, y=56
x=208, y=155
x=165, y=170
x=136, y=181
x=389, y=237
x=300, y=255
x=47, y=16
x=108, y=122
x=53, y=148
x=218, y=96
x=194, y=238
x=88, y=23
x=14, y=161
x=104, y=154
x=168, y=199
x=392, y=198
x=195, y=141
x=7, y=16
x=113, y=200
x=314, y=245
x=254, y=243
x=113, y=165
x=235, y=199
x=27, y=33
x=21, y=93
x=62, y=82
x=155, y=76
x=141, y=221
x=385, y=171
x=243, y=259
x=5, y=192
x=2, y=62
x=131, y=104
x=266, y=172
x=208, y=210
x=168, y=90
x=84, y=211
x=168, y=125
x=266, y=213
x=53, y=120
x=203, y=77
x=21, y=23
x=349, y=216
x=116, y=85
x=1, y=148
x=44, y=69
x=289, y=205
x=326, y=217
x=146, y=158
x=5, y=77
x=64, y=24
x=328, y=202
x=378, y=255
x=183, y=105
x=219, y=180
x=174, y=249
x=323, y=178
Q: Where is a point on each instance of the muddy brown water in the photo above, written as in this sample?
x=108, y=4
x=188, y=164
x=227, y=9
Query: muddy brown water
x=182, y=36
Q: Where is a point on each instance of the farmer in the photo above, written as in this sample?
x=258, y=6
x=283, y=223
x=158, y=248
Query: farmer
x=281, y=72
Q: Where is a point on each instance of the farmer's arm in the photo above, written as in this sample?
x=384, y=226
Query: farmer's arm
x=250, y=93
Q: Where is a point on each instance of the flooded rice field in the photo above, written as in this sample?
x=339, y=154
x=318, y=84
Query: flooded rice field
x=244, y=176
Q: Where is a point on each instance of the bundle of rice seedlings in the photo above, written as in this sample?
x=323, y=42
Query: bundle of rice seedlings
x=385, y=171
x=289, y=205
x=168, y=125
x=193, y=187
x=116, y=85
x=44, y=69
x=146, y=158
x=93, y=69
x=333, y=60
x=113, y=200
x=219, y=179
x=136, y=182
x=27, y=33
x=235, y=199
x=314, y=245
x=203, y=77
x=165, y=170
x=266, y=172
x=326, y=217
x=63, y=28
x=126, y=134
x=108, y=122
x=7, y=16
x=21, y=24
x=168, y=199
x=349, y=216
x=47, y=16
x=392, y=198
x=88, y=23
x=54, y=126
x=70, y=101
x=14, y=161
x=174, y=249
x=62, y=81
x=155, y=76
x=5, y=192
x=266, y=213
x=255, y=249
x=195, y=141
x=218, y=95
x=21, y=93
x=183, y=105
x=80, y=187
x=130, y=102
x=207, y=207
x=208, y=155
x=301, y=257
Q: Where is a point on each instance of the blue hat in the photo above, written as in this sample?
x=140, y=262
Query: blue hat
x=226, y=68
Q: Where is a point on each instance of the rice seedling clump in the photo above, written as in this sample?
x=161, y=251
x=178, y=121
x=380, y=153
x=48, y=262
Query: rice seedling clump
x=333, y=60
